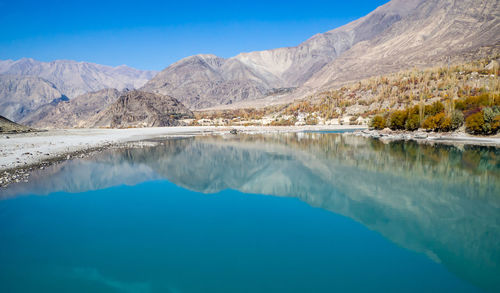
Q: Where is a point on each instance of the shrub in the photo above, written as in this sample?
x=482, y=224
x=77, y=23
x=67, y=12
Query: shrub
x=412, y=123
x=445, y=124
x=310, y=120
x=488, y=115
x=495, y=124
x=398, y=120
x=475, y=123
x=434, y=122
x=457, y=120
x=460, y=105
x=435, y=108
x=378, y=122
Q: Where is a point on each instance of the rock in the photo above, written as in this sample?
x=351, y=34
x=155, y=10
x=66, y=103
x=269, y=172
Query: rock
x=493, y=65
x=420, y=135
x=385, y=131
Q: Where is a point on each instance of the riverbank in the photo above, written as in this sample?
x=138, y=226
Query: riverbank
x=430, y=137
x=20, y=153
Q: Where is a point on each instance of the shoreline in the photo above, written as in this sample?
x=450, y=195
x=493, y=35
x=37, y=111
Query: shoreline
x=21, y=153
x=452, y=138
x=24, y=152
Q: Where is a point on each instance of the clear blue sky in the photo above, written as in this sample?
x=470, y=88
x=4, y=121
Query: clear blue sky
x=151, y=35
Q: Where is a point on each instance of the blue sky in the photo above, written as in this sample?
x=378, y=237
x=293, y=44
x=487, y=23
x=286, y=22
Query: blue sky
x=151, y=35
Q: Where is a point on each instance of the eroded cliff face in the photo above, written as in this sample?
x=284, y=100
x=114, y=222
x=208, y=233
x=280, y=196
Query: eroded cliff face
x=439, y=200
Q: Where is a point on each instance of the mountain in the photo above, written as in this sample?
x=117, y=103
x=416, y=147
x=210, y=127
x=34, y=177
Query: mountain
x=20, y=95
x=429, y=33
x=74, y=78
x=205, y=80
x=395, y=36
x=71, y=113
x=141, y=109
x=7, y=126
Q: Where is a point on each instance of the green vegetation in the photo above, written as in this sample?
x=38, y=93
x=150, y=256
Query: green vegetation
x=482, y=116
x=378, y=122
x=486, y=121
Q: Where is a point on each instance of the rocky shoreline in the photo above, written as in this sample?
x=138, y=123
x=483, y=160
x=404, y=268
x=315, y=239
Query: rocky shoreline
x=21, y=154
x=458, y=137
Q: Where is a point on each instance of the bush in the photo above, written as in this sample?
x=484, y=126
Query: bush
x=434, y=122
x=378, y=122
x=311, y=120
x=488, y=115
x=398, y=120
x=457, y=120
x=412, y=123
x=435, y=108
x=495, y=124
x=475, y=123
x=445, y=124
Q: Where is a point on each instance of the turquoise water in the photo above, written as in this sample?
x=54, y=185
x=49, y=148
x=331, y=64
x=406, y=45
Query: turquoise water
x=304, y=212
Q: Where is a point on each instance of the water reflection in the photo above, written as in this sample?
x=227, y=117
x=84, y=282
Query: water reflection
x=443, y=201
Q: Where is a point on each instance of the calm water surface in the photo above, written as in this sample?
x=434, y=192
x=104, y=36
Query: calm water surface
x=301, y=212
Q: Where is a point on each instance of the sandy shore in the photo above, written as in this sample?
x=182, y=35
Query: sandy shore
x=22, y=150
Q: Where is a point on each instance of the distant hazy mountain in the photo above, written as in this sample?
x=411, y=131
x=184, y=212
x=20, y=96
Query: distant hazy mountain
x=27, y=84
x=141, y=109
x=20, y=95
x=74, y=78
x=397, y=35
x=72, y=113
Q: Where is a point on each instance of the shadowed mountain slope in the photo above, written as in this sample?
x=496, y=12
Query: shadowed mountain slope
x=141, y=109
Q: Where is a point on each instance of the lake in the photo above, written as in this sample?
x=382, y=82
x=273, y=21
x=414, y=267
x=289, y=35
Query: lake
x=292, y=212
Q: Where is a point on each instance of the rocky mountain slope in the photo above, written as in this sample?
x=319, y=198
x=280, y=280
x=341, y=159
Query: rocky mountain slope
x=141, y=109
x=7, y=126
x=206, y=80
x=74, y=78
x=73, y=113
x=398, y=35
x=430, y=33
x=20, y=95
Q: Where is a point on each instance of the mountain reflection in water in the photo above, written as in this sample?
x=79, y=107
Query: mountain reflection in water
x=443, y=201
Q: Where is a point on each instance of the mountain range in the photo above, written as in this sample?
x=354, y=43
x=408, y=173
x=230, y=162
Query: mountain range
x=27, y=84
x=398, y=35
